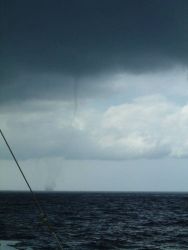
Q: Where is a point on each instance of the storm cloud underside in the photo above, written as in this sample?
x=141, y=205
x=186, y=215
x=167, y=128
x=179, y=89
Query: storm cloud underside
x=73, y=39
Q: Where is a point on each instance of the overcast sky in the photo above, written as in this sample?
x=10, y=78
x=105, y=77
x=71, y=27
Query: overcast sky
x=94, y=94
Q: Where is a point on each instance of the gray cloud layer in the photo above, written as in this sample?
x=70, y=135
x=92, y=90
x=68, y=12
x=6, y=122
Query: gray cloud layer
x=87, y=36
x=81, y=38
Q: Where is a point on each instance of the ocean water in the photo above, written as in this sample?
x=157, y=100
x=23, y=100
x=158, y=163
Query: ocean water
x=97, y=220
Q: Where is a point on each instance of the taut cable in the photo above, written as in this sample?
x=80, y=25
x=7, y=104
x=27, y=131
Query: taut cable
x=36, y=202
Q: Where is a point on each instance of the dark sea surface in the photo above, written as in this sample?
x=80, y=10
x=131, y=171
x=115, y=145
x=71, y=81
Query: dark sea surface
x=97, y=220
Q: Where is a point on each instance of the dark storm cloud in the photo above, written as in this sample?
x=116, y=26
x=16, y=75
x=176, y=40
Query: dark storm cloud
x=78, y=38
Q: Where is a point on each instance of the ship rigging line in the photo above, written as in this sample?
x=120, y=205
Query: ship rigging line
x=42, y=214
